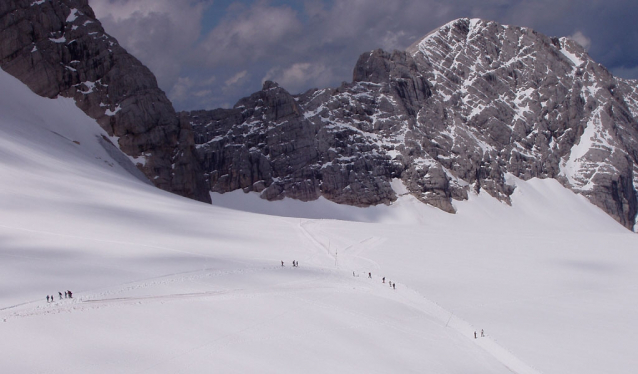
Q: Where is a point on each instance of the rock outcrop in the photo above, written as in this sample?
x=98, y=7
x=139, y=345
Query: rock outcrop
x=459, y=110
x=267, y=144
x=59, y=48
x=467, y=105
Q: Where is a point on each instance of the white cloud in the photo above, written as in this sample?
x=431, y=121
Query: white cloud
x=202, y=93
x=299, y=76
x=186, y=89
x=160, y=33
x=248, y=34
x=581, y=39
x=236, y=78
x=180, y=89
x=319, y=47
x=209, y=81
x=393, y=40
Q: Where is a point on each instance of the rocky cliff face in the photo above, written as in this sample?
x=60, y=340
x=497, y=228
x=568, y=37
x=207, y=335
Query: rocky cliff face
x=59, y=48
x=456, y=112
x=269, y=143
x=459, y=110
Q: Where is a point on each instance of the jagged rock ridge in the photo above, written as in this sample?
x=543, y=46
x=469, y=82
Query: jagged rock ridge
x=461, y=108
x=60, y=48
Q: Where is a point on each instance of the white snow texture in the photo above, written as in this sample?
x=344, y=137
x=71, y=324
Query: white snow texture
x=163, y=284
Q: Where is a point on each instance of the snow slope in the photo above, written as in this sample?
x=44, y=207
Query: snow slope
x=163, y=284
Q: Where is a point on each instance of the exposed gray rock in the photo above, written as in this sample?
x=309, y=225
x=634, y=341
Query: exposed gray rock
x=460, y=109
x=454, y=114
x=537, y=106
x=266, y=144
x=58, y=48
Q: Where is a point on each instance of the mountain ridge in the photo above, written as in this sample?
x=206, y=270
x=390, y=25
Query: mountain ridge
x=465, y=105
x=469, y=103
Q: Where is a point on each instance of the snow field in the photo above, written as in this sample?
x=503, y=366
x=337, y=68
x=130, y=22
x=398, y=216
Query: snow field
x=163, y=284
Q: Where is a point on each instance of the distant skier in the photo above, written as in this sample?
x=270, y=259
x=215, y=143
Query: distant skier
x=66, y=294
x=474, y=334
x=60, y=293
x=353, y=274
x=383, y=279
x=282, y=263
x=70, y=294
x=47, y=298
x=394, y=286
x=482, y=333
x=369, y=275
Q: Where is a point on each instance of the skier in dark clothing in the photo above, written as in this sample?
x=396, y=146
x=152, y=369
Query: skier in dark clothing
x=383, y=279
x=47, y=298
x=369, y=275
x=282, y=263
x=474, y=334
x=70, y=294
x=394, y=286
x=66, y=294
x=60, y=293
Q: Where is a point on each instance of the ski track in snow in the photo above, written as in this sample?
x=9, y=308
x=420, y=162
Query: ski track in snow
x=433, y=310
x=351, y=255
x=228, y=255
x=93, y=300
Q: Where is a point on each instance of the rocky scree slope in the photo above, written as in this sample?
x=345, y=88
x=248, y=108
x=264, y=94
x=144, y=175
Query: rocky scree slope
x=456, y=112
x=59, y=48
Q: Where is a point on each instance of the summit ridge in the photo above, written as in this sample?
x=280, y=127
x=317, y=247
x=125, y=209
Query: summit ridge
x=459, y=111
x=468, y=104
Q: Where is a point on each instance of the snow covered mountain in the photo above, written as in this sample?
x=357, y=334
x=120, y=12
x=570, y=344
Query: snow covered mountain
x=461, y=108
x=165, y=284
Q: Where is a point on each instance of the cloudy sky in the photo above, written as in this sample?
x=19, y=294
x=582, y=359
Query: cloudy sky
x=209, y=53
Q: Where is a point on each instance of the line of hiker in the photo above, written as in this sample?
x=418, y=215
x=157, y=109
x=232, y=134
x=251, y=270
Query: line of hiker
x=392, y=285
x=294, y=263
x=67, y=295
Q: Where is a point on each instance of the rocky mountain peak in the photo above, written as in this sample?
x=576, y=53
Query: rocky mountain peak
x=458, y=111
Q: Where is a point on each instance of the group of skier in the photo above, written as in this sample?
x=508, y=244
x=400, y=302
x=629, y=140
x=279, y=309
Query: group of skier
x=67, y=294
